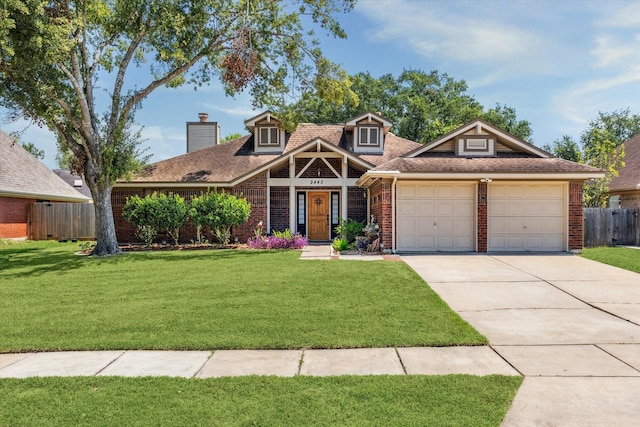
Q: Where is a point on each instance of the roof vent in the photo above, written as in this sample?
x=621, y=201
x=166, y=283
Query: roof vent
x=77, y=183
x=203, y=117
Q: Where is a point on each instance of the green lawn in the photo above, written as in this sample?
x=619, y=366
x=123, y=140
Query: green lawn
x=52, y=299
x=626, y=258
x=452, y=400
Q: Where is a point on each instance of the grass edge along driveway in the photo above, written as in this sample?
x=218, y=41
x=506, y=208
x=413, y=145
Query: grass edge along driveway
x=627, y=258
x=52, y=300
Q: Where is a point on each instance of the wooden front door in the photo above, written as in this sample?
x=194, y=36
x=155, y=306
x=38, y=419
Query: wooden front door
x=318, y=208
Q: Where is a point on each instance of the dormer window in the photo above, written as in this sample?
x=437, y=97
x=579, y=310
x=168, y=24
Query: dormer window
x=269, y=136
x=369, y=136
x=368, y=132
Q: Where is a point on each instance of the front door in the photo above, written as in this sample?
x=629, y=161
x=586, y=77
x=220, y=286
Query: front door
x=318, y=215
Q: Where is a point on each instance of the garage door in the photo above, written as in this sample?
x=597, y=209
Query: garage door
x=436, y=216
x=526, y=217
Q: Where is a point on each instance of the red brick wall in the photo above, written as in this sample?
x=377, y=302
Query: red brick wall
x=254, y=190
x=482, y=217
x=13, y=217
x=380, y=204
x=576, y=221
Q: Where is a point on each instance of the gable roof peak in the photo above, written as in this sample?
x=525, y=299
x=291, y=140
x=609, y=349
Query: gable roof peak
x=250, y=124
x=481, y=126
x=370, y=117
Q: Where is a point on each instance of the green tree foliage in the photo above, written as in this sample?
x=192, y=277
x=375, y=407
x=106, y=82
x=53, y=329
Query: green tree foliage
x=602, y=152
x=619, y=125
x=156, y=212
x=33, y=150
x=230, y=137
x=219, y=211
x=600, y=147
x=565, y=148
x=422, y=106
x=57, y=56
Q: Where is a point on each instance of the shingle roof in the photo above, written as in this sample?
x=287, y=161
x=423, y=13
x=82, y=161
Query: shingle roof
x=629, y=176
x=217, y=164
x=226, y=162
x=71, y=179
x=22, y=175
x=484, y=165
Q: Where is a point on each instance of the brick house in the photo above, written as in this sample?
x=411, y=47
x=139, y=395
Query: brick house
x=477, y=188
x=24, y=181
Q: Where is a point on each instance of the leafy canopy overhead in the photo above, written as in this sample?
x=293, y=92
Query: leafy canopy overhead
x=422, y=106
x=58, y=56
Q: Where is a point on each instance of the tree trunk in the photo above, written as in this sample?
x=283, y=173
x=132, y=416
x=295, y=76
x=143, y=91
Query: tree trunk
x=107, y=242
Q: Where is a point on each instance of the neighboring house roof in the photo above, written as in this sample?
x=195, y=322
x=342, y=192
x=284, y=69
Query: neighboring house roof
x=225, y=163
x=629, y=176
x=76, y=181
x=23, y=176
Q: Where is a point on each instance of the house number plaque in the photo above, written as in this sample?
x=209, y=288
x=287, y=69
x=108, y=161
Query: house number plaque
x=316, y=181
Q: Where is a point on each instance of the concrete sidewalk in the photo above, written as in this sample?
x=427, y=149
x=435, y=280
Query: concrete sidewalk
x=479, y=360
x=571, y=326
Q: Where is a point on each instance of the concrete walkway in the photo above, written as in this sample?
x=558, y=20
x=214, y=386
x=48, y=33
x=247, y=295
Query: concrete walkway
x=324, y=252
x=571, y=326
x=205, y=364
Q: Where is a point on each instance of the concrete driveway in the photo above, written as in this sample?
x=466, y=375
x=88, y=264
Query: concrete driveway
x=571, y=326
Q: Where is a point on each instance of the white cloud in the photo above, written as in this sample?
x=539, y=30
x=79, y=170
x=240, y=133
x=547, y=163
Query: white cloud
x=232, y=109
x=582, y=102
x=472, y=35
x=616, y=51
x=627, y=16
x=163, y=142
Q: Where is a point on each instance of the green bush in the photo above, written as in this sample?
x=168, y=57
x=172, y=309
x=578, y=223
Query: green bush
x=171, y=214
x=219, y=212
x=349, y=229
x=140, y=212
x=156, y=212
x=340, y=244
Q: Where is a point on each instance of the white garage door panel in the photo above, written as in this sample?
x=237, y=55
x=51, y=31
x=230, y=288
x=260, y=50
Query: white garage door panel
x=436, y=216
x=526, y=217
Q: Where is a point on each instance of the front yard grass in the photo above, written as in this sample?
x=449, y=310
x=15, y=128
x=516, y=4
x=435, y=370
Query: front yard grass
x=52, y=299
x=452, y=400
x=626, y=258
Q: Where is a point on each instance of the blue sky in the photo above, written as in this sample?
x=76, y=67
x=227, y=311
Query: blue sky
x=557, y=62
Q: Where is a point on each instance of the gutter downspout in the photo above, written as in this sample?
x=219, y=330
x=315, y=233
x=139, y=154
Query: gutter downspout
x=393, y=214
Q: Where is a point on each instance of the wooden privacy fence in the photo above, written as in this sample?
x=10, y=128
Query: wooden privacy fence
x=54, y=221
x=608, y=227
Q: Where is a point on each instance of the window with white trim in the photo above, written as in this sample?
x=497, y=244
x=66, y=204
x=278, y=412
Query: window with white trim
x=368, y=135
x=269, y=135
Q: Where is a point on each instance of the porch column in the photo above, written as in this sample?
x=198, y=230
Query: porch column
x=345, y=189
x=293, y=213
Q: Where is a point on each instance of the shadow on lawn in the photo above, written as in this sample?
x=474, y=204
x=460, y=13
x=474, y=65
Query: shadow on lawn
x=24, y=261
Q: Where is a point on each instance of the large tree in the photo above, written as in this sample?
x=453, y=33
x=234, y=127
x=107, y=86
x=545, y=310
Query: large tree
x=600, y=146
x=422, y=106
x=53, y=52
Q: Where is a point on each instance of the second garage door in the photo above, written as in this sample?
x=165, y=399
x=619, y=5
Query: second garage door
x=436, y=216
x=526, y=217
